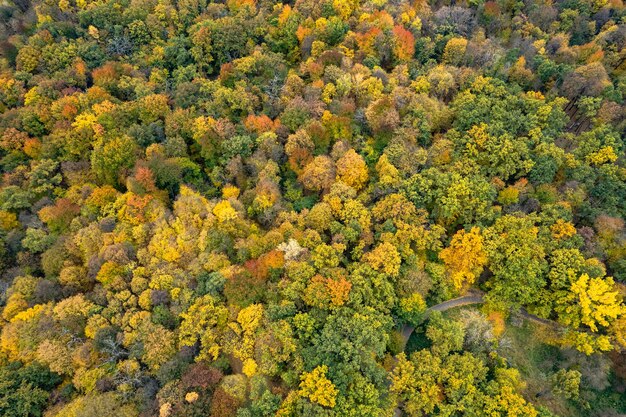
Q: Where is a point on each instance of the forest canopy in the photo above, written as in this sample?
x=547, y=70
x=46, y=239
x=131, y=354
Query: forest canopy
x=313, y=208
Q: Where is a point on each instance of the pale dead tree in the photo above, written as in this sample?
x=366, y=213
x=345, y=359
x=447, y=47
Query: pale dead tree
x=291, y=249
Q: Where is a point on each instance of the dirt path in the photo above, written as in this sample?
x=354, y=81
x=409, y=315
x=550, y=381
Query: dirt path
x=474, y=297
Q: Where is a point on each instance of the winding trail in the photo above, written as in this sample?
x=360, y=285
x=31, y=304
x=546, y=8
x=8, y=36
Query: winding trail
x=474, y=296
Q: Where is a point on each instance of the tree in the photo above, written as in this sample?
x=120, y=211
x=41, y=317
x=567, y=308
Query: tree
x=516, y=258
x=566, y=383
x=351, y=169
x=587, y=80
x=451, y=198
x=24, y=390
x=110, y=159
x=465, y=257
x=591, y=302
x=382, y=116
x=445, y=335
x=405, y=43
x=319, y=174
x=299, y=148
x=454, y=51
x=59, y=216
x=106, y=405
x=239, y=207
x=498, y=156
x=317, y=388
x=384, y=258
x=203, y=323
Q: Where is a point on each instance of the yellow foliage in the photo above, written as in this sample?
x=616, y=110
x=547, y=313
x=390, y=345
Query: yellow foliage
x=618, y=331
x=93, y=32
x=85, y=122
x=94, y=323
x=562, y=229
x=249, y=367
x=15, y=304
x=384, y=258
x=464, y=258
x=587, y=343
x=85, y=379
x=230, y=191
x=165, y=410
x=388, y=175
x=345, y=8
x=329, y=92
x=250, y=317
x=191, y=397
x=510, y=195
x=224, y=211
x=199, y=323
x=8, y=220
x=597, y=299
x=414, y=303
x=604, y=155
x=497, y=321
x=454, y=50
x=317, y=388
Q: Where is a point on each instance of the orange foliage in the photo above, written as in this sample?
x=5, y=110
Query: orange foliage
x=324, y=292
x=596, y=56
x=145, y=178
x=32, y=147
x=497, y=321
x=492, y=9
x=302, y=32
x=284, y=14
x=367, y=40
x=104, y=74
x=339, y=290
x=259, y=124
x=405, y=47
x=102, y=196
x=260, y=268
x=136, y=206
x=59, y=216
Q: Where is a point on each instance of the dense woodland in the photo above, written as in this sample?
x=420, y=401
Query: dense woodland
x=235, y=208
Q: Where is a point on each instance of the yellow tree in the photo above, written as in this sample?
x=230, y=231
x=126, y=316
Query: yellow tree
x=203, y=322
x=464, y=258
x=318, y=174
x=345, y=8
x=224, y=211
x=318, y=388
x=454, y=50
x=388, y=175
x=248, y=321
x=384, y=258
x=618, y=330
x=352, y=170
x=592, y=302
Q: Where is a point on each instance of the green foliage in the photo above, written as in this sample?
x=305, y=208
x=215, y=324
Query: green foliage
x=242, y=207
x=24, y=390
